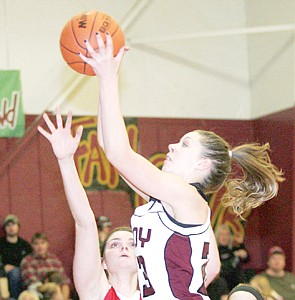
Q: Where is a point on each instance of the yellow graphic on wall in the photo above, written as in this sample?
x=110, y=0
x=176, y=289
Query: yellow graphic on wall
x=94, y=169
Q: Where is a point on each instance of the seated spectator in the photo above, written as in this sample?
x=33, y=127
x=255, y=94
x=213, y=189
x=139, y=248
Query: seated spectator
x=232, y=254
x=280, y=280
x=104, y=228
x=244, y=292
x=13, y=249
x=262, y=284
x=36, y=266
x=28, y=295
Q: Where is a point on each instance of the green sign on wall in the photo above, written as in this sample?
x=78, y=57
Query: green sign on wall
x=12, y=118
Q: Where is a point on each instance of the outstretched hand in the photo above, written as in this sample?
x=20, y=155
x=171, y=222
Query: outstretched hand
x=102, y=61
x=64, y=145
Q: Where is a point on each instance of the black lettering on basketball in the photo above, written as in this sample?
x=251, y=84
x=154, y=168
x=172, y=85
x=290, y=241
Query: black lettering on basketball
x=105, y=24
x=82, y=21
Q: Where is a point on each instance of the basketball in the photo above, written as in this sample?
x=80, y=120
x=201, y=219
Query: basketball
x=84, y=26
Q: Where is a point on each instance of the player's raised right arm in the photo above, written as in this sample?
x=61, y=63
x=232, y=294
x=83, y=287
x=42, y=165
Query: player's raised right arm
x=137, y=170
x=89, y=276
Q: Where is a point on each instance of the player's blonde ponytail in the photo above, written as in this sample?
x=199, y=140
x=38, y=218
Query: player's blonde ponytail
x=259, y=182
x=260, y=178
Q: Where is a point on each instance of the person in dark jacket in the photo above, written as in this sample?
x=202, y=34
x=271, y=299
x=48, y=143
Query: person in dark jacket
x=232, y=254
x=13, y=249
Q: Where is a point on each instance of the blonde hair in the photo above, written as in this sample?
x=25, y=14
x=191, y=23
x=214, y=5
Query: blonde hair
x=28, y=295
x=260, y=179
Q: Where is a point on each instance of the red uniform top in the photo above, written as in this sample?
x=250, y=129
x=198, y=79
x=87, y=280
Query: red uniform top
x=112, y=295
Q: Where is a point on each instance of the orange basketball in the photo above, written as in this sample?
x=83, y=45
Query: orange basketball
x=84, y=26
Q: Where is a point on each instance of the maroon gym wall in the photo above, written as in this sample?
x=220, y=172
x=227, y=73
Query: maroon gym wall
x=31, y=185
x=273, y=223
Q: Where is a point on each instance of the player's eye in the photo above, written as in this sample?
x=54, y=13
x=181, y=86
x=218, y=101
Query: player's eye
x=115, y=245
x=131, y=245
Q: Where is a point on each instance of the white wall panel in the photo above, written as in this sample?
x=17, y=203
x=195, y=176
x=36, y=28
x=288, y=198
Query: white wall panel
x=171, y=71
x=271, y=56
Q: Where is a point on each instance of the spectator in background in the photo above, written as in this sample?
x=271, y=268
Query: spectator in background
x=262, y=284
x=36, y=266
x=104, y=228
x=13, y=249
x=232, y=254
x=280, y=280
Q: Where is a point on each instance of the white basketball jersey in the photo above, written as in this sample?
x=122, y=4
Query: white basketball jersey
x=171, y=257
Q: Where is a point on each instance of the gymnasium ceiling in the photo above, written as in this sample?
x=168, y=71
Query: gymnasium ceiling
x=231, y=59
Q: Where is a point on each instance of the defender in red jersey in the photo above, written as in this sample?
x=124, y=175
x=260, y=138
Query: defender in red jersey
x=89, y=268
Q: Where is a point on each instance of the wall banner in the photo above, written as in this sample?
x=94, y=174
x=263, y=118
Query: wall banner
x=12, y=118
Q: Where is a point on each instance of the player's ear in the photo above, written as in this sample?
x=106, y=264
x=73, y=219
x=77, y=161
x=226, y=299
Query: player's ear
x=203, y=164
x=103, y=263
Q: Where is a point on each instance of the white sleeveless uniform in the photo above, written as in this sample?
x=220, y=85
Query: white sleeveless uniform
x=171, y=257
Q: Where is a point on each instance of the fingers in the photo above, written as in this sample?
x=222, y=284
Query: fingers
x=84, y=58
x=89, y=48
x=58, y=118
x=69, y=121
x=121, y=53
x=100, y=43
x=44, y=133
x=103, y=48
x=78, y=134
x=60, y=129
x=88, y=60
x=48, y=122
x=59, y=122
x=109, y=44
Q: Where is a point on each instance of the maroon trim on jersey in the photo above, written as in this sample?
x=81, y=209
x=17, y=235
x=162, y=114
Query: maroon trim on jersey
x=180, y=271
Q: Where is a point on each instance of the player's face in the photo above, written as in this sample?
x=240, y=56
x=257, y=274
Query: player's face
x=277, y=262
x=40, y=246
x=120, y=252
x=12, y=229
x=184, y=155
